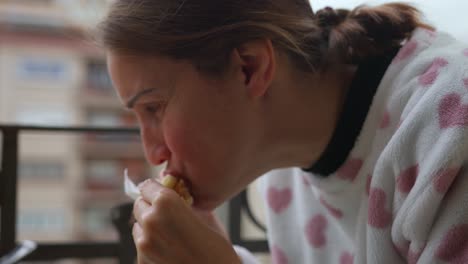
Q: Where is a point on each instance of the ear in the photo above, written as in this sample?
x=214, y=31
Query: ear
x=258, y=62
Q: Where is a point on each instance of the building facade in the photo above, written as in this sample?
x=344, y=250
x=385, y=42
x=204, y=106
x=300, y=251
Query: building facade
x=51, y=75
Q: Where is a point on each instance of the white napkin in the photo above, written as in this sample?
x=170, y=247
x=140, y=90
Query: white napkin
x=130, y=188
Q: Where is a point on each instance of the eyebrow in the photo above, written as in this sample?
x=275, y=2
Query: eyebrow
x=131, y=102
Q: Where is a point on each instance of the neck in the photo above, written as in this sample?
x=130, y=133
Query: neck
x=301, y=114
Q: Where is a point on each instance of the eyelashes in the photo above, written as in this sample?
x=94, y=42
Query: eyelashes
x=152, y=109
x=149, y=111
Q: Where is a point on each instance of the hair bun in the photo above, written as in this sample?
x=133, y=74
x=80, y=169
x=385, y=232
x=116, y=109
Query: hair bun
x=328, y=17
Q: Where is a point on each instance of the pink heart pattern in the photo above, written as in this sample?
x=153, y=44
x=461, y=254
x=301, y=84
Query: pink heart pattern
x=444, y=179
x=406, y=51
x=279, y=200
x=337, y=213
x=430, y=76
x=346, y=258
x=278, y=256
x=350, y=169
x=454, y=245
x=378, y=215
x=465, y=52
x=405, y=181
x=452, y=112
x=402, y=248
x=315, y=231
x=413, y=256
x=385, y=120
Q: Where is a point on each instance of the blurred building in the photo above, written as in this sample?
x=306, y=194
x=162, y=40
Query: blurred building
x=51, y=75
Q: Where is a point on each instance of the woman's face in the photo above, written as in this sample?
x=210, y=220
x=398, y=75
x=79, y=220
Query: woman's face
x=204, y=127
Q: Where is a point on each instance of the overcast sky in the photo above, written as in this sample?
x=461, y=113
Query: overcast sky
x=447, y=15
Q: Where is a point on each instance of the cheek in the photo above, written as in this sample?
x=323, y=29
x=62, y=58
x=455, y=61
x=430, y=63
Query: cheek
x=182, y=143
x=207, y=142
x=193, y=132
x=189, y=142
x=199, y=150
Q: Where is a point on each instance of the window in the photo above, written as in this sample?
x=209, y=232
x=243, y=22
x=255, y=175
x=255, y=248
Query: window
x=42, y=69
x=43, y=116
x=96, y=219
x=103, y=118
x=98, y=77
x=103, y=173
x=41, y=220
x=40, y=170
x=96, y=223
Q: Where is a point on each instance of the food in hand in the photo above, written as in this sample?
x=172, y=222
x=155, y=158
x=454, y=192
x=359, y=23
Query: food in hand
x=179, y=186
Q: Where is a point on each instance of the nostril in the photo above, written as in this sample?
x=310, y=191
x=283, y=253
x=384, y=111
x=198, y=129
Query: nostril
x=161, y=161
x=161, y=155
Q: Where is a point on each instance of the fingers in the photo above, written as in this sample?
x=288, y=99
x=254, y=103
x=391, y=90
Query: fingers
x=137, y=232
x=138, y=237
x=152, y=191
x=140, y=207
x=156, y=207
x=152, y=218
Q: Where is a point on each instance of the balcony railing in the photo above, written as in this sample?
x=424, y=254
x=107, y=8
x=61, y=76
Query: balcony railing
x=124, y=249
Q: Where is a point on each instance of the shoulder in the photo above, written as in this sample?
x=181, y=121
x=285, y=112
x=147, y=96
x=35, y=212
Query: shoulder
x=427, y=98
x=428, y=50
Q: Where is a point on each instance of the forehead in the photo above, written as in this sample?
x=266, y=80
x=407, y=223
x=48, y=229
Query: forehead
x=133, y=73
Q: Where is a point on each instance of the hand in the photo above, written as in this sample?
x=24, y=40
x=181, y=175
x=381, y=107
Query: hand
x=168, y=231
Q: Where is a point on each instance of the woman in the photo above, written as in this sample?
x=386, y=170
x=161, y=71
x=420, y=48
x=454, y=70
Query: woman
x=358, y=121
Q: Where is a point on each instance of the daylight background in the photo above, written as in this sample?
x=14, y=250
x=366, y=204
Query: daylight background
x=50, y=76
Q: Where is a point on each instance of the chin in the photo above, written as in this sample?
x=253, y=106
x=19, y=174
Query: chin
x=206, y=205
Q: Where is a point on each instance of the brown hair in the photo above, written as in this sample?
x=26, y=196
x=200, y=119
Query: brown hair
x=205, y=32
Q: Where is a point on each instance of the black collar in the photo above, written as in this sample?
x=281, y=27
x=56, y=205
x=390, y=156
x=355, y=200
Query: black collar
x=354, y=113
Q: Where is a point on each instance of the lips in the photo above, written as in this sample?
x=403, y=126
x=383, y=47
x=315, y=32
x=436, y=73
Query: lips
x=178, y=175
x=165, y=172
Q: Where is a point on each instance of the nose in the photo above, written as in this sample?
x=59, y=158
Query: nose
x=154, y=146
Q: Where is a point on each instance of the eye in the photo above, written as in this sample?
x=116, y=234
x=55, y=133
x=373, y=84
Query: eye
x=151, y=108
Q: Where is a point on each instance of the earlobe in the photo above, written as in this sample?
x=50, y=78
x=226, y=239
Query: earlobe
x=258, y=64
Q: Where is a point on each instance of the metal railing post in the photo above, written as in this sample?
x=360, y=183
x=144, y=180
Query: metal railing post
x=124, y=249
x=8, y=190
x=237, y=205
